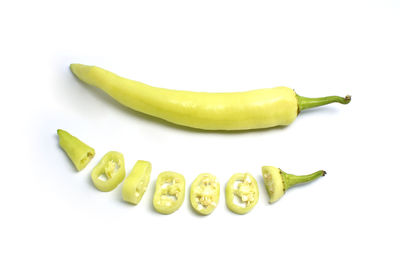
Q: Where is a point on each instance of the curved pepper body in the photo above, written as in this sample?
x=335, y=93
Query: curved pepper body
x=261, y=108
x=112, y=167
x=204, y=193
x=79, y=153
x=170, y=192
x=241, y=193
x=136, y=182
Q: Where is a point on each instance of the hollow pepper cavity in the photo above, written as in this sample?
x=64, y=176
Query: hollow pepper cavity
x=204, y=193
x=109, y=172
x=170, y=192
x=241, y=193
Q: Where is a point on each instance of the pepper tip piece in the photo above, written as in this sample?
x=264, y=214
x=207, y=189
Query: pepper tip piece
x=79, y=153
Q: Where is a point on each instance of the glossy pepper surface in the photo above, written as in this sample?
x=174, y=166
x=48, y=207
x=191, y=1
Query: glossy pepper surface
x=260, y=108
x=79, y=152
x=170, y=192
x=109, y=172
x=135, y=184
x=204, y=193
x=241, y=193
x=277, y=182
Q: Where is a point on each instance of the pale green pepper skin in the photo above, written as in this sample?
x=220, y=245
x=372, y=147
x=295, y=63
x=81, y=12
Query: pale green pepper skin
x=241, y=193
x=135, y=184
x=170, y=192
x=79, y=153
x=204, y=193
x=277, y=182
x=254, y=109
x=112, y=165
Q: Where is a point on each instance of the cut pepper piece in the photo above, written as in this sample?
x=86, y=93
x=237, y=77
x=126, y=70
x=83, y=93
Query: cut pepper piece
x=79, y=152
x=241, y=193
x=136, y=182
x=277, y=182
x=170, y=192
x=109, y=172
x=204, y=193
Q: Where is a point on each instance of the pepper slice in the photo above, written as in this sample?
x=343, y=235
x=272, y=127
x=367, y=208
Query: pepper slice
x=79, y=152
x=136, y=182
x=277, y=182
x=204, y=193
x=241, y=193
x=170, y=192
x=109, y=172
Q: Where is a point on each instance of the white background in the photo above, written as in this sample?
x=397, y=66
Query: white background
x=53, y=215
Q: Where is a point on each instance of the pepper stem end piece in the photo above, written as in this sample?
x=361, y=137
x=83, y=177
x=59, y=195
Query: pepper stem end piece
x=307, y=103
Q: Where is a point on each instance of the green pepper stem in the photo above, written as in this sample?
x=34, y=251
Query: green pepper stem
x=307, y=103
x=290, y=180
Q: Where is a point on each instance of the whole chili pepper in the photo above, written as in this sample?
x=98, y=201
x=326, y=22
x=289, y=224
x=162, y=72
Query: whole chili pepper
x=261, y=108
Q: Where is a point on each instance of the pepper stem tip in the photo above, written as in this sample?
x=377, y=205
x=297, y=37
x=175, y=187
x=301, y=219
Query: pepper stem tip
x=307, y=103
x=347, y=99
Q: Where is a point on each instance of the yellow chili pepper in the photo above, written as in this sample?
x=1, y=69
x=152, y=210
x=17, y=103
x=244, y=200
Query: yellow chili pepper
x=79, y=152
x=204, y=193
x=241, y=193
x=109, y=172
x=277, y=182
x=261, y=108
x=170, y=192
x=136, y=182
